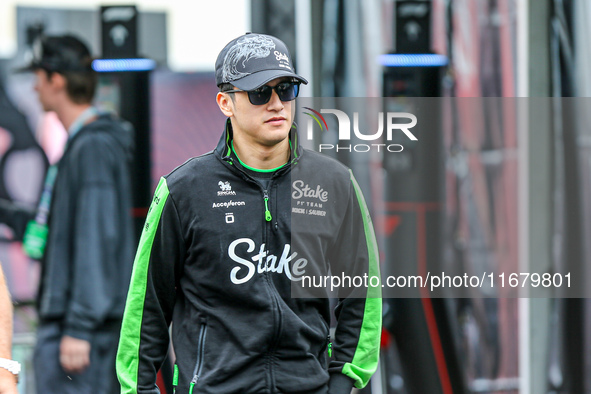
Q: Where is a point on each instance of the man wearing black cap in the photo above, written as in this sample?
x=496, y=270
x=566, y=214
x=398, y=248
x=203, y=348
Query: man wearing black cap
x=228, y=238
x=82, y=229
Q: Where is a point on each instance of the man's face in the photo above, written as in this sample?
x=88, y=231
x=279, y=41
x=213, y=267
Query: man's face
x=266, y=124
x=45, y=89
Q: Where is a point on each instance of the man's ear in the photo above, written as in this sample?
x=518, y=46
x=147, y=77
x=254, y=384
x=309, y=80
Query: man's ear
x=225, y=103
x=58, y=81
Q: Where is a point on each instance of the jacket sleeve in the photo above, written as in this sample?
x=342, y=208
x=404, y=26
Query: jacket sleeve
x=94, y=239
x=148, y=312
x=359, y=311
x=16, y=216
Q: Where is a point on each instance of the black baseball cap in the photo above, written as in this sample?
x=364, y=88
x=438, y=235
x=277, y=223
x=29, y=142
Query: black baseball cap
x=250, y=61
x=59, y=54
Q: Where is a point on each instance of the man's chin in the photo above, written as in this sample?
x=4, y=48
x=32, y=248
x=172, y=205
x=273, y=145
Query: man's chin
x=270, y=142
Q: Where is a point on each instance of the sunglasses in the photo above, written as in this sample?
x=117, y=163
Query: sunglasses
x=287, y=91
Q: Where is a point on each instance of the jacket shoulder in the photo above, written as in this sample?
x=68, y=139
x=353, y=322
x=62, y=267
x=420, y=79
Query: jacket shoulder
x=106, y=130
x=191, y=169
x=108, y=124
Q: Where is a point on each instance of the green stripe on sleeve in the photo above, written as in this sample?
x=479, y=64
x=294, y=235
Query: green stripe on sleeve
x=129, y=344
x=365, y=359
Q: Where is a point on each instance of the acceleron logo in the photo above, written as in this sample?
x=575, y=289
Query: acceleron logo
x=394, y=123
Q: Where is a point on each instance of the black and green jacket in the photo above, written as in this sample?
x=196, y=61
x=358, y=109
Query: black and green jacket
x=219, y=257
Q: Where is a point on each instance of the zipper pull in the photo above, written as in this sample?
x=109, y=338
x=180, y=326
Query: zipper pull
x=193, y=383
x=268, y=216
x=175, y=378
x=329, y=349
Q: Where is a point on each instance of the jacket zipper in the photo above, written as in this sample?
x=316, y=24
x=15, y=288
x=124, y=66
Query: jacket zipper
x=328, y=344
x=199, y=363
x=277, y=318
x=277, y=313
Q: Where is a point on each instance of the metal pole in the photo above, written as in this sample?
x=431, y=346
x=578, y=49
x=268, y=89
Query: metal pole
x=535, y=201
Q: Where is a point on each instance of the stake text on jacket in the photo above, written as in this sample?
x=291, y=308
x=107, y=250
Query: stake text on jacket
x=264, y=263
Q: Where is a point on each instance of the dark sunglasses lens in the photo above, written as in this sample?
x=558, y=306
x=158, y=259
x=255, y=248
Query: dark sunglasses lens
x=287, y=91
x=261, y=95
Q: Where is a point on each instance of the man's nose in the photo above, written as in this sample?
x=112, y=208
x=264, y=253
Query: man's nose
x=275, y=102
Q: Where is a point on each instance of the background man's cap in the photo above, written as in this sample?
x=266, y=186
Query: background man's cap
x=59, y=54
x=250, y=61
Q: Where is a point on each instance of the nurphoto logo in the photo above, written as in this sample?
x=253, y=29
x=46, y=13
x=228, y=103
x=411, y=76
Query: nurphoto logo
x=392, y=121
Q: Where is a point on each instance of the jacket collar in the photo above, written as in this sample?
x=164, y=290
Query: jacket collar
x=224, y=147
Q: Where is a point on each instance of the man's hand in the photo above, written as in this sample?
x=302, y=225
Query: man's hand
x=74, y=354
x=7, y=382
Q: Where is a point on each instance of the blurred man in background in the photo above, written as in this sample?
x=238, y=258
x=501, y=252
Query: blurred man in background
x=82, y=229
